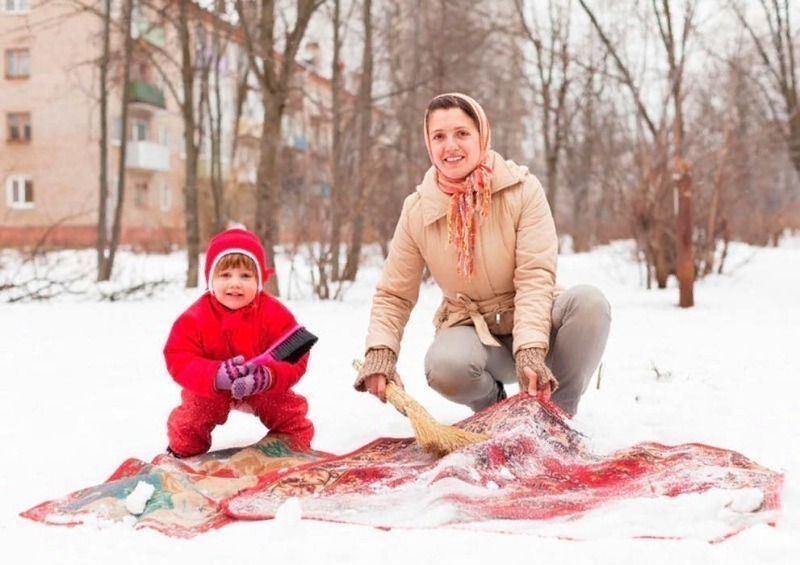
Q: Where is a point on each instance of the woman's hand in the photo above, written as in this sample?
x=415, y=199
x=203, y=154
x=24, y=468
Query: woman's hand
x=372, y=375
x=376, y=385
x=534, y=388
x=533, y=374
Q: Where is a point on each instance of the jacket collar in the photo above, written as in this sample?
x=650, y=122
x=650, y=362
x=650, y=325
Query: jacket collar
x=435, y=203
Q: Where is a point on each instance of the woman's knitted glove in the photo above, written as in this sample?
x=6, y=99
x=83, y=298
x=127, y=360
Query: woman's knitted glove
x=230, y=370
x=257, y=380
x=378, y=361
x=534, y=358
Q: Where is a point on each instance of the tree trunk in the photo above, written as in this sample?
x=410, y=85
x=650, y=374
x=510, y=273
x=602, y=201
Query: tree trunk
x=268, y=199
x=336, y=204
x=191, y=210
x=215, y=131
x=274, y=77
x=364, y=177
x=685, y=261
x=116, y=227
x=102, y=204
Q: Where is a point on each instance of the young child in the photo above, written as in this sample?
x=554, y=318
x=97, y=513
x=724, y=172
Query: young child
x=209, y=344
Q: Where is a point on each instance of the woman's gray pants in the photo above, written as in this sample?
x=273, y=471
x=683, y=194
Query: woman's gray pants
x=462, y=369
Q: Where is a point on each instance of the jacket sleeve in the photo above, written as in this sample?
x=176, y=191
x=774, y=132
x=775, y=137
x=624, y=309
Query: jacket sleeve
x=398, y=289
x=186, y=364
x=286, y=375
x=535, y=272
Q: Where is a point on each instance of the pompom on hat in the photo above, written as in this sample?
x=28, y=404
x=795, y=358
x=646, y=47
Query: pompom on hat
x=236, y=240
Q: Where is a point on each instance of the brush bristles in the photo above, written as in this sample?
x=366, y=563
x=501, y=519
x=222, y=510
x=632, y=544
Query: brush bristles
x=294, y=346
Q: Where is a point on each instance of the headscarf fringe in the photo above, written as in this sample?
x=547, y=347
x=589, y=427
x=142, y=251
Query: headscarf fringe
x=467, y=208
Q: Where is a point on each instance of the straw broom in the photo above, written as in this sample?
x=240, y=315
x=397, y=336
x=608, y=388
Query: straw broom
x=435, y=438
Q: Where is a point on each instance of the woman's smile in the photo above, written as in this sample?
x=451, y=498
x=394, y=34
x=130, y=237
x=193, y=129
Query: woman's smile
x=454, y=141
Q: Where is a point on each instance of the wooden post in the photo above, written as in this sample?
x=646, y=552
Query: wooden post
x=685, y=263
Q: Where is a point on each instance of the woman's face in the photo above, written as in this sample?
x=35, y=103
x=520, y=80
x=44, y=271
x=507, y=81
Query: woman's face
x=454, y=141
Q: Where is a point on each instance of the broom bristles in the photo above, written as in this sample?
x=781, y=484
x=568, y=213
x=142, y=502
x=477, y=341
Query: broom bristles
x=432, y=436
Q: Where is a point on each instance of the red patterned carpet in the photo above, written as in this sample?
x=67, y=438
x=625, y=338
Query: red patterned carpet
x=536, y=467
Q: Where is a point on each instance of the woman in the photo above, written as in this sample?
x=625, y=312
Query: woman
x=483, y=227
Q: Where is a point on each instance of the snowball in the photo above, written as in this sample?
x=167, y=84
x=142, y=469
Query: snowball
x=137, y=499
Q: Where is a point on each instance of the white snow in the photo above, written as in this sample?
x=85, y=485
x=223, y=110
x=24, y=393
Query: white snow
x=137, y=499
x=84, y=387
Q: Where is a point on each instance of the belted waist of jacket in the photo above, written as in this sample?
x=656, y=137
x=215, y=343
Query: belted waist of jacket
x=494, y=316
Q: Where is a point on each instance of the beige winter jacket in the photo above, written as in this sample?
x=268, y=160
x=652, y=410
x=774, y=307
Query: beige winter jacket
x=516, y=251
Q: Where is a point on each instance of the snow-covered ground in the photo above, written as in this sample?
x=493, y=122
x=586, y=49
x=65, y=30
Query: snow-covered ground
x=84, y=387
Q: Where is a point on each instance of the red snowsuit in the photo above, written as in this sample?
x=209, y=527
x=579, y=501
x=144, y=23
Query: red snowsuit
x=208, y=333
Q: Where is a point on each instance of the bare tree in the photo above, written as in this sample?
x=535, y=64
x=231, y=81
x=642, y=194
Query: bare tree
x=714, y=228
x=593, y=172
x=553, y=68
x=337, y=209
x=106, y=257
x=667, y=247
x=340, y=162
x=675, y=42
x=103, y=193
x=189, y=75
x=191, y=146
x=211, y=79
x=776, y=51
x=273, y=69
x=364, y=118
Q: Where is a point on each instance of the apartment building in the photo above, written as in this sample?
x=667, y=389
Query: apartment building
x=50, y=143
x=49, y=149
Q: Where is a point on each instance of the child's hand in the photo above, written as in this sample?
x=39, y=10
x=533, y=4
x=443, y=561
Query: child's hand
x=229, y=371
x=258, y=379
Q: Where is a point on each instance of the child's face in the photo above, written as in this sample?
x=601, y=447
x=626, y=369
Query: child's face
x=235, y=287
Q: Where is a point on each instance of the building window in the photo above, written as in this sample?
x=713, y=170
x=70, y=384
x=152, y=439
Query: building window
x=165, y=197
x=18, y=63
x=15, y=6
x=19, y=191
x=19, y=126
x=140, y=130
x=140, y=194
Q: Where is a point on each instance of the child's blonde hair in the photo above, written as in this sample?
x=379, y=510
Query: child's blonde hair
x=234, y=261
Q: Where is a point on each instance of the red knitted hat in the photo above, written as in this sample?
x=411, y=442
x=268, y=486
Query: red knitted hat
x=236, y=240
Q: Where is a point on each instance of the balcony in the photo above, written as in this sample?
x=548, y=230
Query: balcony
x=145, y=93
x=147, y=156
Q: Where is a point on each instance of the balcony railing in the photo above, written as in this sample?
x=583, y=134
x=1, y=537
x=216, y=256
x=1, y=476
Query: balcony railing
x=140, y=91
x=147, y=156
